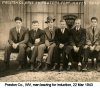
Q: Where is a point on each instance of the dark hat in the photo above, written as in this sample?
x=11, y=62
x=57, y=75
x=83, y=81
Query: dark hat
x=49, y=19
x=62, y=20
x=18, y=18
x=70, y=17
x=35, y=21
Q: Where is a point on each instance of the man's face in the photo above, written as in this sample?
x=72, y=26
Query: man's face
x=35, y=26
x=94, y=23
x=78, y=23
x=63, y=24
x=50, y=24
x=18, y=23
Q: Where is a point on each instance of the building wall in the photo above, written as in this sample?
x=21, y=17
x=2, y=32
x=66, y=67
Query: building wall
x=40, y=12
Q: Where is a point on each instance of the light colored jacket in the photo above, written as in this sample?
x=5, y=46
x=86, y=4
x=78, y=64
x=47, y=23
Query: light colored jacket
x=89, y=36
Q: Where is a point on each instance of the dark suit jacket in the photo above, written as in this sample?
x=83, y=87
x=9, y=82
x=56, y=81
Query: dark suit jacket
x=89, y=36
x=23, y=36
x=77, y=38
x=62, y=37
x=32, y=36
x=48, y=38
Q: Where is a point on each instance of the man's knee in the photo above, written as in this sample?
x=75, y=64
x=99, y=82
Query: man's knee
x=97, y=48
x=42, y=46
x=53, y=45
x=28, y=49
x=68, y=49
x=8, y=46
x=22, y=46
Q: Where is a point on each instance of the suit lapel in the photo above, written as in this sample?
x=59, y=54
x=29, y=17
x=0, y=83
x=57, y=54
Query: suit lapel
x=33, y=35
x=53, y=33
x=97, y=31
x=15, y=33
x=21, y=33
x=37, y=33
x=48, y=33
x=90, y=31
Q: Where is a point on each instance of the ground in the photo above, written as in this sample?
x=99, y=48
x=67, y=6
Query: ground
x=49, y=76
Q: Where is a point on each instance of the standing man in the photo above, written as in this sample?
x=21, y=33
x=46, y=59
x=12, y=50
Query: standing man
x=18, y=38
x=36, y=41
x=92, y=47
x=62, y=41
x=77, y=41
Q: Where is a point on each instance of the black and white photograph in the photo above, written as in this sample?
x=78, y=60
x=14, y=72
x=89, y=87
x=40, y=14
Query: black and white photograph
x=50, y=41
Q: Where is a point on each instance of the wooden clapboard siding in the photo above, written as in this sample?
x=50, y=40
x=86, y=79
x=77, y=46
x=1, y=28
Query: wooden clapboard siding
x=29, y=13
x=40, y=13
x=91, y=8
x=7, y=15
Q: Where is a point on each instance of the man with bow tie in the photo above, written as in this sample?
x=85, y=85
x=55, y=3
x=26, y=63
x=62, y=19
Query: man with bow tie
x=36, y=41
x=62, y=41
x=92, y=47
x=77, y=41
x=17, y=42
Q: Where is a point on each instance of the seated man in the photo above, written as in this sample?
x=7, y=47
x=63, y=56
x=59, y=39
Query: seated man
x=62, y=41
x=36, y=40
x=92, y=46
x=77, y=41
x=49, y=42
x=18, y=38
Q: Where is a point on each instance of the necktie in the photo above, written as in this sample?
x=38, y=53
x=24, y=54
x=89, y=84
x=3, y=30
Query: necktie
x=34, y=33
x=50, y=32
x=77, y=29
x=18, y=35
x=62, y=30
x=93, y=33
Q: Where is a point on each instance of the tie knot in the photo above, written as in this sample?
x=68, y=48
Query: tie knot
x=18, y=31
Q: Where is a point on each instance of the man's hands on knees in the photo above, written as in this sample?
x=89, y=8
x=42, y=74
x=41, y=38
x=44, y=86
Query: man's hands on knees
x=32, y=47
x=76, y=49
x=86, y=46
x=92, y=48
x=37, y=40
x=15, y=45
x=61, y=45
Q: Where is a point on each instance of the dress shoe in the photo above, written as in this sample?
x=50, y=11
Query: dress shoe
x=38, y=66
x=61, y=68
x=79, y=68
x=85, y=68
x=32, y=68
x=6, y=66
x=69, y=68
x=46, y=67
x=19, y=68
x=98, y=68
x=54, y=67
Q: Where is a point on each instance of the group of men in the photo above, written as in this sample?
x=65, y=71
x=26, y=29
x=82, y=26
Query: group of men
x=62, y=45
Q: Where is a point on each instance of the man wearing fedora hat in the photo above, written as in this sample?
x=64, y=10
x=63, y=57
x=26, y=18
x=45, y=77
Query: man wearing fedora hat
x=49, y=41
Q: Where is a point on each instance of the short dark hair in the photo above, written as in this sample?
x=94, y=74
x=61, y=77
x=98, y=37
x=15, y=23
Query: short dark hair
x=77, y=19
x=18, y=18
x=62, y=20
x=94, y=18
x=35, y=21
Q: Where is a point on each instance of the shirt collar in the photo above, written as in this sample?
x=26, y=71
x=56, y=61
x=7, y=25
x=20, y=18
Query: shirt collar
x=77, y=28
x=94, y=28
x=18, y=29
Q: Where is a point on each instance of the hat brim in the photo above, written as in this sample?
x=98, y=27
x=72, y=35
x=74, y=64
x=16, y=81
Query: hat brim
x=49, y=21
